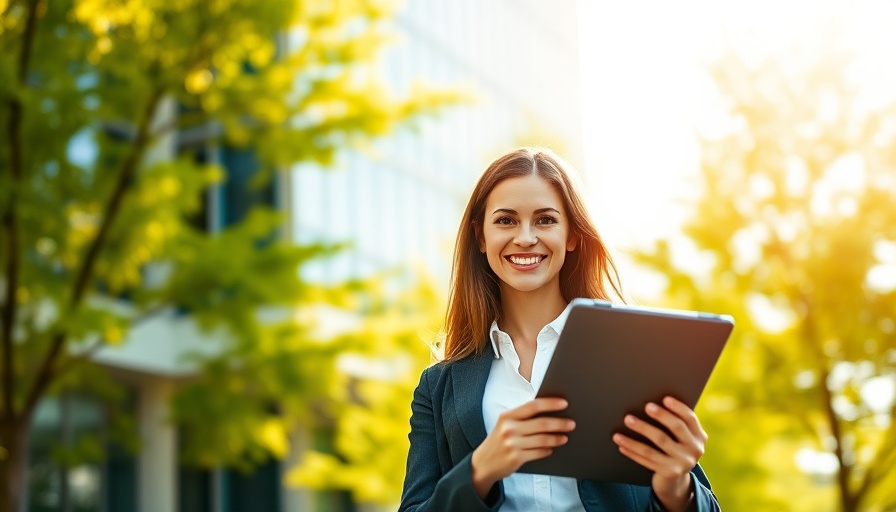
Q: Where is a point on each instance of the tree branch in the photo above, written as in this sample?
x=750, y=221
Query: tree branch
x=35, y=9
x=844, y=474
x=10, y=222
x=85, y=273
x=11, y=229
x=886, y=451
x=848, y=499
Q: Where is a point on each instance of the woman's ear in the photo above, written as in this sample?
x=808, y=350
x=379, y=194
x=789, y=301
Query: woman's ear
x=572, y=241
x=477, y=231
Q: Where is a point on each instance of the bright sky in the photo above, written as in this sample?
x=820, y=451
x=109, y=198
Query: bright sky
x=642, y=85
x=644, y=91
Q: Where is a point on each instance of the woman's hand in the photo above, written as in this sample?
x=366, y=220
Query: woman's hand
x=677, y=454
x=519, y=437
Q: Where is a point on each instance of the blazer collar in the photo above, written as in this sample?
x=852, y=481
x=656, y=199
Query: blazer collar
x=468, y=377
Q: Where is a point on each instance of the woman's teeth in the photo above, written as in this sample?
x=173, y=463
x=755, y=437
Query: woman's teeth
x=525, y=261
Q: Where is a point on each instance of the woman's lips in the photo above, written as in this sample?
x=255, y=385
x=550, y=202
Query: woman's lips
x=525, y=262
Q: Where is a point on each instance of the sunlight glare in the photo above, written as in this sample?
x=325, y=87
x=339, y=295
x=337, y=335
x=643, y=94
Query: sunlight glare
x=647, y=98
x=881, y=278
x=817, y=463
x=767, y=316
x=879, y=393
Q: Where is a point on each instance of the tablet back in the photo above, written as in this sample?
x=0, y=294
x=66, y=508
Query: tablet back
x=610, y=361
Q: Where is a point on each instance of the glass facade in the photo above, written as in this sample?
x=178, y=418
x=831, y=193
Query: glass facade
x=73, y=464
x=225, y=490
x=258, y=490
x=239, y=194
x=228, y=203
x=195, y=489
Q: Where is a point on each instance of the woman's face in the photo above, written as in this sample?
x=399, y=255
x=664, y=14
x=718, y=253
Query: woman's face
x=526, y=233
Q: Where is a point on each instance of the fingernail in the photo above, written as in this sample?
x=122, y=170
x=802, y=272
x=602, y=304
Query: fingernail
x=669, y=401
x=571, y=424
x=630, y=419
x=652, y=407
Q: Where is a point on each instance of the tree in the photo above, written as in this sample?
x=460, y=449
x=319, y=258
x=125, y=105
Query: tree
x=93, y=192
x=794, y=233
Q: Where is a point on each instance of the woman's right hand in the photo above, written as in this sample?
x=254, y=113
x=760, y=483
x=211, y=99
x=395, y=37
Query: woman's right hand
x=517, y=438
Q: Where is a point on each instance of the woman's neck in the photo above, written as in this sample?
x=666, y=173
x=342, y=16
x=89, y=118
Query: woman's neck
x=524, y=314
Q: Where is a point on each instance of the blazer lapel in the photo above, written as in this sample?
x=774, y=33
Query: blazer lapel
x=468, y=378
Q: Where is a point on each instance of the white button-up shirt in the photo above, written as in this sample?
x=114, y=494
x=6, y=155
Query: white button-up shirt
x=506, y=389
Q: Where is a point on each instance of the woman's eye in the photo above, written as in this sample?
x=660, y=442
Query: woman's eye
x=504, y=220
x=546, y=219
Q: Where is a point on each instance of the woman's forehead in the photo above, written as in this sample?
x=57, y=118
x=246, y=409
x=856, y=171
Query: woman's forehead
x=524, y=193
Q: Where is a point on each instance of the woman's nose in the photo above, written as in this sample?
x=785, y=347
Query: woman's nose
x=525, y=237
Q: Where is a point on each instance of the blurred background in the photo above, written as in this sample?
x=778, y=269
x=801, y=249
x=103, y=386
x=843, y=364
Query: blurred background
x=227, y=231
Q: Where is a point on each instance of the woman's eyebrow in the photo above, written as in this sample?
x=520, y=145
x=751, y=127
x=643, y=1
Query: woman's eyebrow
x=514, y=212
x=504, y=210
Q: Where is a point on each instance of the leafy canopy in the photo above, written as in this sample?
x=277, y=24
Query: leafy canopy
x=113, y=112
x=793, y=232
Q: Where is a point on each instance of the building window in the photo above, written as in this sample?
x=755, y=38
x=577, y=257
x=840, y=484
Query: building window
x=229, y=202
x=258, y=490
x=226, y=490
x=195, y=489
x=62, y=473
x=240, y=193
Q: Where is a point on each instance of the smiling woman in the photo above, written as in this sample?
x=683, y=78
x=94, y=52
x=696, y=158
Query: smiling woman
x=525, y=248
x=589, y=270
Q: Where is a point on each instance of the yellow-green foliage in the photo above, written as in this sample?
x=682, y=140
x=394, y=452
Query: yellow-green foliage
x=94, y=199
x=371, y=404
x=796, y=208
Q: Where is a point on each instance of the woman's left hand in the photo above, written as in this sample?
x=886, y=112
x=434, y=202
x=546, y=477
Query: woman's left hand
x=677, y=454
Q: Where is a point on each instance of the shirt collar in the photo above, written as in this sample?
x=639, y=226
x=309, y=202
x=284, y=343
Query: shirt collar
x=556, y=325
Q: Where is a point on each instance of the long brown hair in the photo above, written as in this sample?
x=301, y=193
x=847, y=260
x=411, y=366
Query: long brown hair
x=474, y=299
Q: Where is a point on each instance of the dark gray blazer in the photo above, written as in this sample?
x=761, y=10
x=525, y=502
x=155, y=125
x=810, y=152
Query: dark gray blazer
x=447, y=425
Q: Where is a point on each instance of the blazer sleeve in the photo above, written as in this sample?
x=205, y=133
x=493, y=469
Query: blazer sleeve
x=704, y=499
x=426, y=489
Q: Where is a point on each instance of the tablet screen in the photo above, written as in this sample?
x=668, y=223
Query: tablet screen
x=611, y=361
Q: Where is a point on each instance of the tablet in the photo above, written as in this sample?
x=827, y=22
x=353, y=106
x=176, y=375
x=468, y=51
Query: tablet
x=610, y=361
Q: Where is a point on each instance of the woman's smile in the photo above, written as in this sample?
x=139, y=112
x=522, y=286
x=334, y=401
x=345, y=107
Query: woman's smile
x=525, y=261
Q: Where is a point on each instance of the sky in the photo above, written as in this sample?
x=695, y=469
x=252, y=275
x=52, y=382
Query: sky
x=645, y=91
x=640, y=92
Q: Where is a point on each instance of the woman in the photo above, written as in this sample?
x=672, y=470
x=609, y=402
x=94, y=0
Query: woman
x=526, y=246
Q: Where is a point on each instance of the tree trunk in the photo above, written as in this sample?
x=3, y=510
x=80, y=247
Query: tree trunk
x=848, y=502
x=13, y=453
